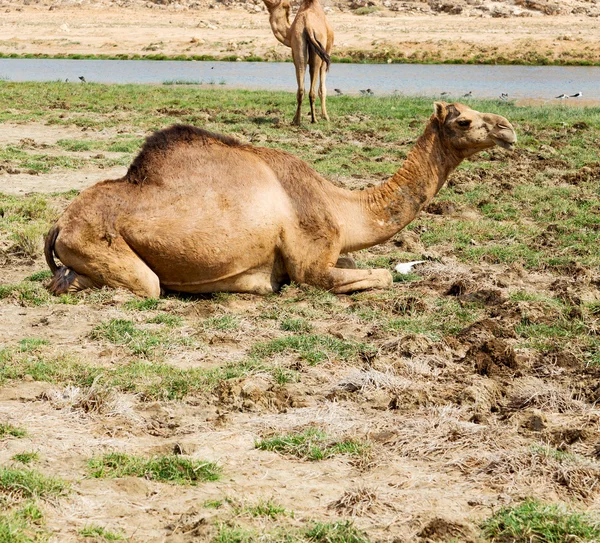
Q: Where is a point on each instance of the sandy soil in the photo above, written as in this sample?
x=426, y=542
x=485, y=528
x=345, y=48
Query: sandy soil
x=220, y=32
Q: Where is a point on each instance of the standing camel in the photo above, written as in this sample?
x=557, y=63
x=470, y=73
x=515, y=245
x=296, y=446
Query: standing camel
x=199, y=212
x=311, y=38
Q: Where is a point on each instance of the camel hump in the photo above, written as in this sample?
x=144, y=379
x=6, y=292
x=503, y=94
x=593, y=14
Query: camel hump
x=159, y=145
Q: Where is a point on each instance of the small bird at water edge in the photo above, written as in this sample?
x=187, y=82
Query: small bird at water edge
x=468, y=95
x=444, y=93
x=406, y=267
x=504, y=96
x=338, y=92
x=82, y=79
x=576, y=95
x=562, y=96
x=367, y=92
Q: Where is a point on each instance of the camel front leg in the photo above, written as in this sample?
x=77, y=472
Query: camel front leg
x=323, y=91
x=343, y=280
x=347, y=280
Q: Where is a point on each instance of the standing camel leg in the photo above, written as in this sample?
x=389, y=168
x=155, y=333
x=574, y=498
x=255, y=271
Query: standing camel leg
x=313, y=69
x=300, y=62
x=323, y=91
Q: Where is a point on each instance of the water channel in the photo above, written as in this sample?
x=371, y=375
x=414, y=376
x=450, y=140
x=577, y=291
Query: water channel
x=483, y=81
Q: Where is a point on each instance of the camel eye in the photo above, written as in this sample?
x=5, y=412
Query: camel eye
x=465, y=123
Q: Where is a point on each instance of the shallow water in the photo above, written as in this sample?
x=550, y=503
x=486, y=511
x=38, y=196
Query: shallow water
x=519, y=82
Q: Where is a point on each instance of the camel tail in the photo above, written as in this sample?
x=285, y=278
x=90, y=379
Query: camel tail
x=49, y=248
x=63, y=277
x=315, y=46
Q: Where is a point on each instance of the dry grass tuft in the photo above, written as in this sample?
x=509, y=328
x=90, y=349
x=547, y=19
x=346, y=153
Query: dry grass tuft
x=532, y=392
x=372, y=379
x=96, y=399
x=440, y=433
x=361, y=501
x=536, y=469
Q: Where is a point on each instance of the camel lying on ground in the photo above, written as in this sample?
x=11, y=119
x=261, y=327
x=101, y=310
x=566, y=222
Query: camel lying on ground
x=200, y=212
x=311, y=40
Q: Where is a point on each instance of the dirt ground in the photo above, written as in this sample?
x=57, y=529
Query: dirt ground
x=57, y=29
x=457, y=427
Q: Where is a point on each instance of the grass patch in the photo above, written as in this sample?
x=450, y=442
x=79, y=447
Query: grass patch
x=167, y=319
x=312, y=444
x=22, y=525
x=315, y=532
x=147, y=304
x=42, y=275
x=314, y=349
x=99, y=532
x=152, y=381
x=22, y=484
x=139, y=341
x=8, y=430
x=26, y=457
x=543, y=523
x=172, y=469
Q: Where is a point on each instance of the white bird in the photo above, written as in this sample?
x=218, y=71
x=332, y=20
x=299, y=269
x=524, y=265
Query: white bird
x=406, y=267
x=576, y=95
x=562, y=96
x=504, y=96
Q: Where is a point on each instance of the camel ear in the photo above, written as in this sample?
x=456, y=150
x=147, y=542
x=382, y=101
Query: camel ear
x=440, y=111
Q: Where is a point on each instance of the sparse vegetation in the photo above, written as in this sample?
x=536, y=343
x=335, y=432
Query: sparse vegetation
x=21, y=484
x=312, y=444
x=8, y=430
x=99, y=532
x=173, y=469
x=536, y=521
x=26, y=457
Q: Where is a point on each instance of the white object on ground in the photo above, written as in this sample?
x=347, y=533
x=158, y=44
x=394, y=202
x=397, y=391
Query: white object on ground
x=406, y=267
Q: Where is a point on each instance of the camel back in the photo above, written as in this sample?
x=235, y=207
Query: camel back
x=158, y=145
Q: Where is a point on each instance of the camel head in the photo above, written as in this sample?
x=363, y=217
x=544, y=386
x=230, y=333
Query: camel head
x=469, y=131
x=279, y=6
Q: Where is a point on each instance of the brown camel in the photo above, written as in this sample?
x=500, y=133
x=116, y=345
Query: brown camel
x=200, y=212
x=311, y=40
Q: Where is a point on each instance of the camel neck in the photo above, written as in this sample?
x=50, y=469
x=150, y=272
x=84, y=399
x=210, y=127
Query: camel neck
x=389, y=207
x=280, y=25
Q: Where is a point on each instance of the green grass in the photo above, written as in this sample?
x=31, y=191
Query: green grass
x=23, y=484
x=8, y=430
x=314, y=532
x=314, y=349
x=22, y=525
x=222, y=323
x=99, y=532
x=147, y=304
x=542, y=523
x=42, y=275
x=26, y=457
x=151, y=381
x=312, y=444
x=172, y=469
x=140, y=341
x=296, y=325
